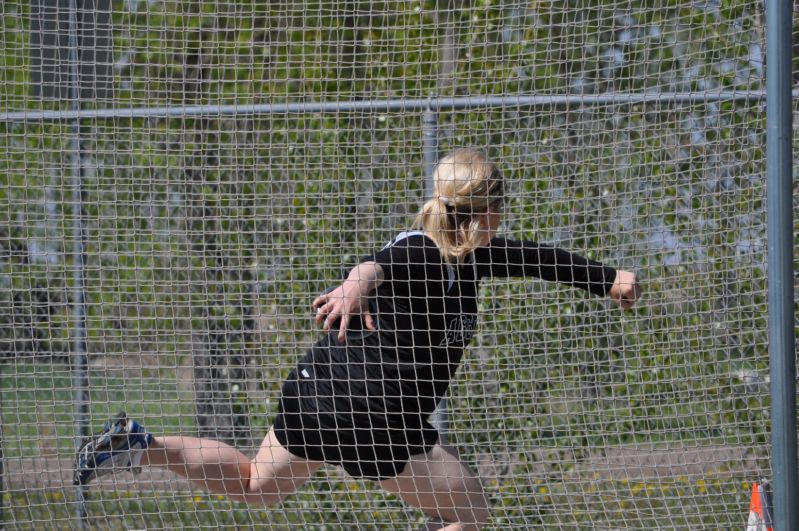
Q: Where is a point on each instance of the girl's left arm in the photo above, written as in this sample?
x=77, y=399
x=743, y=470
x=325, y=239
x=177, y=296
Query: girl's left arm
x=513, y=258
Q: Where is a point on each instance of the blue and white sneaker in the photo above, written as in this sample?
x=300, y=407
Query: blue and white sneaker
x=120, y=446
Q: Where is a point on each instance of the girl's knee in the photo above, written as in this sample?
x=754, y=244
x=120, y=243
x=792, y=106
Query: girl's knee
x=468, y=504
x=473, y=512
x=260, y=492
x=271, y=489
x=270, y=484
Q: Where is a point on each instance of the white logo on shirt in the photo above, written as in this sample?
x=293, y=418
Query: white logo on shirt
x=459, y=330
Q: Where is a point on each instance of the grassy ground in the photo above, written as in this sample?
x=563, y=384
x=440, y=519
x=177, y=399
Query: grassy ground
x=340, y=509
x=675, y=504
x=37, y=403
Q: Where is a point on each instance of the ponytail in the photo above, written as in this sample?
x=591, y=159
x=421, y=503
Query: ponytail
x=466, y=183
x=455, y=233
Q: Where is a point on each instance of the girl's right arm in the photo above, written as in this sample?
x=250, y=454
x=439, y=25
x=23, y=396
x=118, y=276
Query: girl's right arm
x=349, y=299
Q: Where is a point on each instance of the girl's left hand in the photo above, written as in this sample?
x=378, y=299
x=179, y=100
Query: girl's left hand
x=625, y=290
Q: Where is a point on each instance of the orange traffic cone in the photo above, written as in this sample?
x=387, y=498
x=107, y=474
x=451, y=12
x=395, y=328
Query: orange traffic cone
x=760, y=508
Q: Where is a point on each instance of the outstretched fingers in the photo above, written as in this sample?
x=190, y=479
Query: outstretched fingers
x=341, y=304
x=368, y=320
x=331, y=307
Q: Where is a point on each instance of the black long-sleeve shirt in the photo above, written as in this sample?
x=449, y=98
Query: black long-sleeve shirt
x=426, y=312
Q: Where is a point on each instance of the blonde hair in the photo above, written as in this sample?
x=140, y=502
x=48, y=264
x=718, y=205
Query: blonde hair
x=466, y=183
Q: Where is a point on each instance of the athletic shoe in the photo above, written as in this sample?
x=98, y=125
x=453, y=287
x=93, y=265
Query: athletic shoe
x=120, y=446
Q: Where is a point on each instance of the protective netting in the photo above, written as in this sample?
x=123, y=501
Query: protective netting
x=181, y=179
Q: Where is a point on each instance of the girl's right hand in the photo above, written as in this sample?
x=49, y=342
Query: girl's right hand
x=343, y=303
x=349, y=299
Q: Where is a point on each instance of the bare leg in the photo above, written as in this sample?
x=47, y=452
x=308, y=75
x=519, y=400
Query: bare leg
x=221, y=469
x=443, y=487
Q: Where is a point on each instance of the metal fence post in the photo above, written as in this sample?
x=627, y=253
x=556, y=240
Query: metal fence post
x=779, y=186
x=2, y=476
x=429, y=148
x=430, y=156
x=80, y=357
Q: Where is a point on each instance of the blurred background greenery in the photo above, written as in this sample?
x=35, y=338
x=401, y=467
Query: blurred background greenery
x=206, y=237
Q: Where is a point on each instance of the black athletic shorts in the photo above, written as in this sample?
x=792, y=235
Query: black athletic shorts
x=349, y=437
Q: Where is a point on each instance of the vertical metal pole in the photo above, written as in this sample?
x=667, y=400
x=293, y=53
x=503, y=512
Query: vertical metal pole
x=430, y=156
x=779, y=184
x=429, y=149
x=2, y=477
x=80, y=358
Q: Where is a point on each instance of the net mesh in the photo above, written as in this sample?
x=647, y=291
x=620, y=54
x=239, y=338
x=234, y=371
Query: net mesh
x=160, y=251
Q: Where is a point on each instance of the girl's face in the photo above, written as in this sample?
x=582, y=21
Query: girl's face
x=489, y=223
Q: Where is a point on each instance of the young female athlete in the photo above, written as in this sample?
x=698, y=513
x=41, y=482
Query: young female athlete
x=362, y=396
